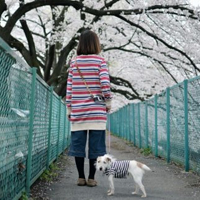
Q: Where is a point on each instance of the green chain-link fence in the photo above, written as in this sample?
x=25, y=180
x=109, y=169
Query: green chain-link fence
x=34, y=129
x=169, y=124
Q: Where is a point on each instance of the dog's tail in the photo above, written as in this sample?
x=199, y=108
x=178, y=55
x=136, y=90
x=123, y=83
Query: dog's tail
x=143, y=166
x=146, y=167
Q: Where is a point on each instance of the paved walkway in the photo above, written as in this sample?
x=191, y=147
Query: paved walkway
x=167, y=182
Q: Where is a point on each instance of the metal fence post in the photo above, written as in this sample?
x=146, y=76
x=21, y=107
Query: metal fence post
x=146, y=125
x=139, y=128
x=129, y=124
x=168, y=122
x=122, y=124
x=186, y=125
x=65, y=119
x=49, y=130
x=58, y=128
x=124, y=121
x=134, y=124
x=111, y=119
x=118, y=124
x=156, y=125
x=30, y=138
x=115, y=122
x=119, y=119
x=69, y=131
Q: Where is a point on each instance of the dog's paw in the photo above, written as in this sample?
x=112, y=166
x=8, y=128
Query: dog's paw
x=143, y=196
x=134, y=192
x=110, y=193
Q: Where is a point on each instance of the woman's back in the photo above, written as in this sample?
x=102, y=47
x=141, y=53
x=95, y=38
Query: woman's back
x=84, y=111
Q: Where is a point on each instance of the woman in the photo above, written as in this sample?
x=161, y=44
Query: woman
x=88, y=76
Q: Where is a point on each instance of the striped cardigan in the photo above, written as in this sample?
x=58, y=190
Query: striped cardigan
x=85, y=113
x=119, y=169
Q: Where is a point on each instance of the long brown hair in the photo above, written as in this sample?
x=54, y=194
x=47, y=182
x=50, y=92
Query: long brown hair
x=88, y=43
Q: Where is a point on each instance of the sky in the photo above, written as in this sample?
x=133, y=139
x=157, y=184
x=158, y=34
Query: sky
x=195, y=2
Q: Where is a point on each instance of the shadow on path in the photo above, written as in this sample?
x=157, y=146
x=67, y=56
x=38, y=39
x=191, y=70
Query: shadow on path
x=167, y=182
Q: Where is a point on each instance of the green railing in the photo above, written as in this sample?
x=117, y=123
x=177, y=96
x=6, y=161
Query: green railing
x=168, y=123
x=34, y=129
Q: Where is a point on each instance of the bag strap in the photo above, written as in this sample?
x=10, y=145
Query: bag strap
x=83, y=79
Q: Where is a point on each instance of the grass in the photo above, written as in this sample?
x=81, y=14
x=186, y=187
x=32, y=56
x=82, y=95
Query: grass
x=51, y=173
x=24, y=196
x=146, y=151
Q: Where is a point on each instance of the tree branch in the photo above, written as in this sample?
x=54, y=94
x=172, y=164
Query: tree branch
x=127, y=94
x=32, y=5
x=160, y=40
x=50, y=60
x=79, y=5
x=121, y=82
x=3, y=7
x=62, y=60
x=31, y=44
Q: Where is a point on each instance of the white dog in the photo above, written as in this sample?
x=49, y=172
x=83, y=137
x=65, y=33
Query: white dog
x=119, y=169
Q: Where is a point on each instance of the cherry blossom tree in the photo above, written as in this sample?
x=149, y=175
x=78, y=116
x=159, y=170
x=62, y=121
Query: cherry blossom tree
x=149, y=44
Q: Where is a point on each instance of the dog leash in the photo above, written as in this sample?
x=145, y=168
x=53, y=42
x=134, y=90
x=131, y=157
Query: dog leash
x=108, y=133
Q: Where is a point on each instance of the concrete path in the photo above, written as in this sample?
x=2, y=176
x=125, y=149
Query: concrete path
x=167, y=182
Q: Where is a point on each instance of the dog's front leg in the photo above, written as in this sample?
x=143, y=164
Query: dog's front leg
x=111, y=184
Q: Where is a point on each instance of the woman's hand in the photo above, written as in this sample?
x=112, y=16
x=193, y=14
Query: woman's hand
x=108, y=108
x=69, y=113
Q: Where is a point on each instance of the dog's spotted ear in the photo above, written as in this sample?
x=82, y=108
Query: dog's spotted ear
x=108, y=160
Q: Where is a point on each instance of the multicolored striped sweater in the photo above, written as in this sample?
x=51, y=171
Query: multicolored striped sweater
x=85, y=113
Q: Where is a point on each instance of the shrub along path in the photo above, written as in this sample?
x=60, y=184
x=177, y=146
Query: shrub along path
x=167, y=182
